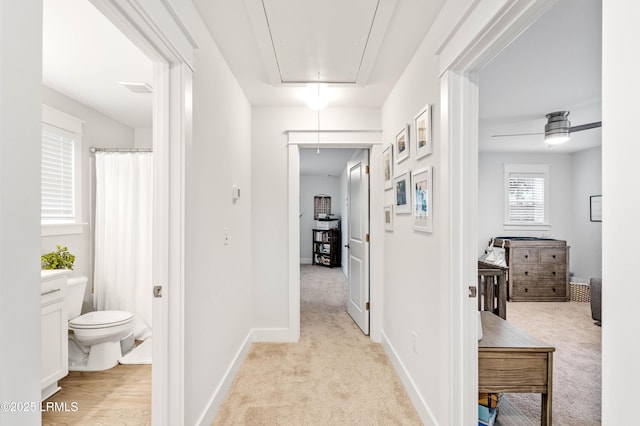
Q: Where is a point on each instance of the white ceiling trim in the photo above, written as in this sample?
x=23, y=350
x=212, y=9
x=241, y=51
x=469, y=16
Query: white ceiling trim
x=337, y=137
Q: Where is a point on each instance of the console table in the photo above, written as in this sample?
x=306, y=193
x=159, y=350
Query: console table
x=512, y=361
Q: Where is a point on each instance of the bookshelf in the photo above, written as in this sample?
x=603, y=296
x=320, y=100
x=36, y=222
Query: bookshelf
x=326, y=247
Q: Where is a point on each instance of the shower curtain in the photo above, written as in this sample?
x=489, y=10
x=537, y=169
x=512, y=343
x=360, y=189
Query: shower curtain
x=123, y=244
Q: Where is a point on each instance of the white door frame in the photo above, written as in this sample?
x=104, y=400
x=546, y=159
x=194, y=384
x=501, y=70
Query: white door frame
x=482, y=32
x=171, y=52
x=369, y=139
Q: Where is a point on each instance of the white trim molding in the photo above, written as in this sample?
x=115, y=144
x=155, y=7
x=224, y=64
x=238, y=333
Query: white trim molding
x=216, y=400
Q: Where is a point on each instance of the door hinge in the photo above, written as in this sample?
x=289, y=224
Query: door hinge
x=366, y=238
x=473, y=291
x=366, y=170
x=157, y=291
x=366, y=306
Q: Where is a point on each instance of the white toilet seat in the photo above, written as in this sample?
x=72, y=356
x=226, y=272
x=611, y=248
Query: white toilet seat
x=100, y=319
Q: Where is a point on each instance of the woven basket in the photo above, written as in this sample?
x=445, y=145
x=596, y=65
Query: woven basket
x=580, y=292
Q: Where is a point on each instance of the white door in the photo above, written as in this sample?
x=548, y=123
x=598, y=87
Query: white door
x=358, y=232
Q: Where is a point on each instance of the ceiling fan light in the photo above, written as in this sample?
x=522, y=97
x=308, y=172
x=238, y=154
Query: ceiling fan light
x=556, y=138
x=556, y=131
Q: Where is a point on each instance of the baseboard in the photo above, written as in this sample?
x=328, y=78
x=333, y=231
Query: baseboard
x=306, y=261
x=412, y=390
x=219, y=394
x=273, y=335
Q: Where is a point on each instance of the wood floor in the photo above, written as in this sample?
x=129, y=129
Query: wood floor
x=119, y=396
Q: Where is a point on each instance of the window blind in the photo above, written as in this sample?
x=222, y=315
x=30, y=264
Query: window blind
x=57, y=203
x=526, y=198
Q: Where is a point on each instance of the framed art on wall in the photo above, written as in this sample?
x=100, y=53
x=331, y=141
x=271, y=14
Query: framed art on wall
x=422, y=132
x=402, y=144
x=387, y=166
x=402, y=193
x=422, y=188
x=388, y=217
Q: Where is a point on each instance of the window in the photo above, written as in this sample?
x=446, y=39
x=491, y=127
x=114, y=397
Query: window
x=60, y=173
x=321, y=205
x=526, y=198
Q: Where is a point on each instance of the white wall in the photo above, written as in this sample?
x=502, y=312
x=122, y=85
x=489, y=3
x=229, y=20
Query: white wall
x=218, y=296
x=20, y=143
x=491, y=195
x=416, y=298
x=269, y=156
x=98, y=131
x=143, y=137
x=310, y=186
x=620, y=230
x=572, y=179
x=586, y=236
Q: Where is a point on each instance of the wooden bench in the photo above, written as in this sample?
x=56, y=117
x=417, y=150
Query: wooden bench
x=512, y=361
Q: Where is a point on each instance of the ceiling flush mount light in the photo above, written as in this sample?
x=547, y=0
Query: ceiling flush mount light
x=317, y=95
x=137, y=86
x=557, y=129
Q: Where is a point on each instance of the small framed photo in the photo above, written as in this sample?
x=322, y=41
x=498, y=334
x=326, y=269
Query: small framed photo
x=388, y=217
x=422, y=188
x=595, y=208
x=422, y=132
x=387, y=166
x=402, y=145
x=402, y=193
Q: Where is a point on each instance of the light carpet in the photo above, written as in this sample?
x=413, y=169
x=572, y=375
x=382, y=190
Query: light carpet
x=577, y=362
x=334, y=375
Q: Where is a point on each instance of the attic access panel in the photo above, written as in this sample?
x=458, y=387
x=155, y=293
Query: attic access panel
x=328, y=36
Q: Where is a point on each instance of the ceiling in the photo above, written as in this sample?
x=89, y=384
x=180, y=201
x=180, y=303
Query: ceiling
x=84, y=57
x=555, y=65
x=326, y=162
x=362, y=46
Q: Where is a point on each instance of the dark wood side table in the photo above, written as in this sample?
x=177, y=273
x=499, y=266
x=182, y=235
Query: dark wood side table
x=494, y=296
x=512, y=361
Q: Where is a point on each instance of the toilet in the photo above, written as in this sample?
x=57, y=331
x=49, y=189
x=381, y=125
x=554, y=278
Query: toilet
x=94, y=338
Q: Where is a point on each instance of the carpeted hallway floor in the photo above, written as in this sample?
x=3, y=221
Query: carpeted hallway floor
x=334, y=376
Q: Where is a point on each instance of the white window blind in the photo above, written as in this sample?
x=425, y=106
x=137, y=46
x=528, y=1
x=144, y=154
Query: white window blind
x=526, y=199
x=58, y=190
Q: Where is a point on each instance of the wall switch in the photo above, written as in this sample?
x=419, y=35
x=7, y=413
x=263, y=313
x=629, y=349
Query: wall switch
x=414, y=342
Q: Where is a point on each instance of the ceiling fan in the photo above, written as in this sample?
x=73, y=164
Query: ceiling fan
x=558, y=128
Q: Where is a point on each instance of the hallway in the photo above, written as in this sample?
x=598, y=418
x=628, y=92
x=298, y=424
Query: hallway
x=335, y=375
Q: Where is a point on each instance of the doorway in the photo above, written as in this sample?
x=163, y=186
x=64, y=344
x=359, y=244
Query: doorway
x=334, y=194
x=172, y=75
x=370, y=139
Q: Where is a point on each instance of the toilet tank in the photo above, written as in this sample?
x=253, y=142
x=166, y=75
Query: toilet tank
x=75, y=296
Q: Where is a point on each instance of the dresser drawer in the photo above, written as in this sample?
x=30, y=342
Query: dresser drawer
x=524, y=255
x=549, y=289
x=553, y=256
x=538, y=272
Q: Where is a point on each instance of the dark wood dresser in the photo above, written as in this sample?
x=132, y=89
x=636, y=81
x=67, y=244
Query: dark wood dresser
x=538, y=269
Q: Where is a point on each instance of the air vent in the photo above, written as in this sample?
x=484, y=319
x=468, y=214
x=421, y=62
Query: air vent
x=137, y=86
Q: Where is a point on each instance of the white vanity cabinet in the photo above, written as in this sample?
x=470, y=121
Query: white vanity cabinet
x=54, y=338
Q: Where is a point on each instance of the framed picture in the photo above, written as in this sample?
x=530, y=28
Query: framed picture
x=388, y=217
x=402, y=145
x=422, y=188
x=387, y=166
x=402, y=193
x=422, y=132
x=595, y=208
